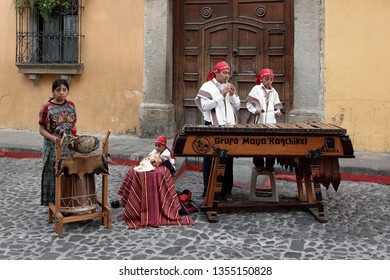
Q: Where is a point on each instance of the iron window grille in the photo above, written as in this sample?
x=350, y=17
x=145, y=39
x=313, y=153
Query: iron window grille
x=49, y=46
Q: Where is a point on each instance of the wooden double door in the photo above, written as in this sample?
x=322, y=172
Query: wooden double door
x=249, y=35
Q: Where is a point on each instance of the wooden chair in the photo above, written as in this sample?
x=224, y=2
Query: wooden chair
x=57, y=211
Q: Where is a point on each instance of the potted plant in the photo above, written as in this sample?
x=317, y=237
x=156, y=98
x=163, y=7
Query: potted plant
x=47, y=8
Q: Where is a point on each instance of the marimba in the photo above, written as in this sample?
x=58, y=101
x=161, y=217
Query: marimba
x=312, y=149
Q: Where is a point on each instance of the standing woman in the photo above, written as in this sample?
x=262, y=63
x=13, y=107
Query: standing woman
x=56, y=117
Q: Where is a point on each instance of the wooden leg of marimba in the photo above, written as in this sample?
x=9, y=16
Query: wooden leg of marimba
x=308, y=184
x=298, y=176
x=214, y=188
x=212, y=192
x=320, y=215
x=211, y=188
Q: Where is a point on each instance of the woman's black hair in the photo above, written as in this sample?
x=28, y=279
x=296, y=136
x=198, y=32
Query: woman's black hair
x=58, y=83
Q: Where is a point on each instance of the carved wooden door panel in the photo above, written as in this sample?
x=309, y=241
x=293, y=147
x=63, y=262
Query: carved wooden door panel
x=249, y=35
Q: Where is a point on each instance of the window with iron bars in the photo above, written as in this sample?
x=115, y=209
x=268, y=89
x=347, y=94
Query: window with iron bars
x=49, y=46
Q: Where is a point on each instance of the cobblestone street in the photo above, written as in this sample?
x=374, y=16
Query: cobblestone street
x=358, y=227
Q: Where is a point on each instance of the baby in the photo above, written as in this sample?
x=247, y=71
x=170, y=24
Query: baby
x=149, y=163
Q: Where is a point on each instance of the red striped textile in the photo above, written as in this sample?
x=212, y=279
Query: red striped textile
x=150, y=199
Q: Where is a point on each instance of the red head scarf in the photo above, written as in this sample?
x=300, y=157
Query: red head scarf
x=161, y=140
x=220, y=66
x=264, y=73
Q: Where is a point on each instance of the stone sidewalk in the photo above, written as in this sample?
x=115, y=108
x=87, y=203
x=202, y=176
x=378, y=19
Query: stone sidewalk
x=125, y=148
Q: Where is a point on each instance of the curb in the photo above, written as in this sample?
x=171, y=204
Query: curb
x=354, y=174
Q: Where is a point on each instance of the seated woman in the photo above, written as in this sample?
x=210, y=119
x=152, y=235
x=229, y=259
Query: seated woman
x=160, y=148
x=149, y=196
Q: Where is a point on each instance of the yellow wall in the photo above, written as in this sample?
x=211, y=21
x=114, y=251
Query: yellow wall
x=108, y=92
x=357, y=70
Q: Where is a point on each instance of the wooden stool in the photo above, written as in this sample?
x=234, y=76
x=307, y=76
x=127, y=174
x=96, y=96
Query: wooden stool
x=268, y=194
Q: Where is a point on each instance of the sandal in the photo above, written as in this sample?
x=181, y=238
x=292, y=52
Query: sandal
x=228, y=198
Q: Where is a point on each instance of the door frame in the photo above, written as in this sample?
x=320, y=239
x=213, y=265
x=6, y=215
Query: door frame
x=308, y=84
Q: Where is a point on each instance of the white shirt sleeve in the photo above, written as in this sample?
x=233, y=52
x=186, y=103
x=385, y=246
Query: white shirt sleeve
x=209, y=104
x=235, y=101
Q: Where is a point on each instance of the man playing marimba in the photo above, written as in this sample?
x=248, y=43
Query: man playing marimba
x=264, y=105
x=219, y=102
